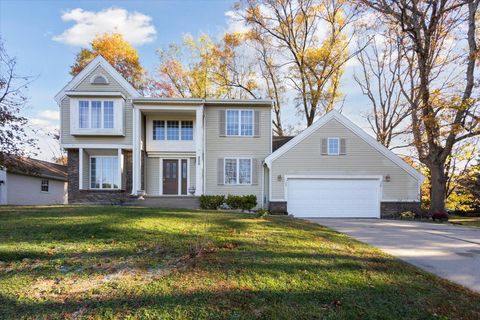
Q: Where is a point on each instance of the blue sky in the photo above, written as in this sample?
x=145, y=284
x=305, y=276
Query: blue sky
x=45, y=44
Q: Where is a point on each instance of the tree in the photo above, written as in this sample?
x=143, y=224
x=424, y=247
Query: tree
x=311, y=38
x=118, y=52
x=14, y=140
x=440, y=82
x=380, y=72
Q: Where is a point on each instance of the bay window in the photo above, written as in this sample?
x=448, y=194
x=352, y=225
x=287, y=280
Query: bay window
x=104, y=172
x=238, y=170
x=95, y=114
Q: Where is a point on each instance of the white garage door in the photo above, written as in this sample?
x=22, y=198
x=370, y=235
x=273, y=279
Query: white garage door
x=333, y=198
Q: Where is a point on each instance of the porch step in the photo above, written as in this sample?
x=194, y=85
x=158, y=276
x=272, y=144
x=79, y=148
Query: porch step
x=176, y=202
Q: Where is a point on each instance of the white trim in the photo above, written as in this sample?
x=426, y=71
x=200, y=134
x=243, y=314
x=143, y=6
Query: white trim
x=95, y=94
x=136, y=153
x=353, y=127
x=328, y=146
x=239, y=135
x=160, y=154
x=80, y=169
x=118, y=128
x=160, y=182
x=199, y=152
x=238, y=171
x=179, y=176
x=95, y=146
x=98, y=61
x=167, y=108
x=120, y=167
x=92, y=78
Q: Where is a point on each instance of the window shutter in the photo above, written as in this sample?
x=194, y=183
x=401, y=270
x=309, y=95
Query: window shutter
x=343, y=146
x=324, y=146
x=220, y=174
x=222, y=123
x=255, y=171
x=256, y=124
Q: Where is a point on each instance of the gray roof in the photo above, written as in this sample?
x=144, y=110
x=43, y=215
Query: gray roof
x=36, y=168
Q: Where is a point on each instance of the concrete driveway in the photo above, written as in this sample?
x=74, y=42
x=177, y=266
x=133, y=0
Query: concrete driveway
x=448, y=251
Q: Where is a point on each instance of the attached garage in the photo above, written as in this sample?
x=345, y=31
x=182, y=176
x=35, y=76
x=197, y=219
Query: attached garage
x=328, y=197
x=335, y=169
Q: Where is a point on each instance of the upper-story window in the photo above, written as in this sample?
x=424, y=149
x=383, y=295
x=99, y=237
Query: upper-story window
x=95, y=114
x=239, y=123
x=333, y=146
x=172, y=130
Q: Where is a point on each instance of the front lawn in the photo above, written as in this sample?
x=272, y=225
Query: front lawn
x=118, y=262
x=465, y=221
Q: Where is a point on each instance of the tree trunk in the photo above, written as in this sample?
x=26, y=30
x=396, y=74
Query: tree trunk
x=438, y=186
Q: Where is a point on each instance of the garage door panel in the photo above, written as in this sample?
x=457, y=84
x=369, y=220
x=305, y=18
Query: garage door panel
x=333, y=197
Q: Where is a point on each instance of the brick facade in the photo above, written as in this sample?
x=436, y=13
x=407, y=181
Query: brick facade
x=98, y=196
x=388, y=210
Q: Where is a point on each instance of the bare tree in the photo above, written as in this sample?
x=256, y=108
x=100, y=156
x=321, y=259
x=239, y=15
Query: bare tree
x=379, y=79
x=444, y=110
x=14, y=140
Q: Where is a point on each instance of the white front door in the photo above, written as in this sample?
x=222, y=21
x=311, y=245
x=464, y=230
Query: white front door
x=333, y=198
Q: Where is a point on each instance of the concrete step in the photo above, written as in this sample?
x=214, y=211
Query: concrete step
x=177, y=202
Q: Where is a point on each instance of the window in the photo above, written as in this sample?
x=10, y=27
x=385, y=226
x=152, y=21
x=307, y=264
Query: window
x=93, y=116
x=187, y=130
x=44, y=186
x=158, y=130
x=333, y=146
x=238, y=171
x=96, y=114
x=239, y=123
x=108, y=114
x=83, y=111
x=172, y=130
x=104, y=172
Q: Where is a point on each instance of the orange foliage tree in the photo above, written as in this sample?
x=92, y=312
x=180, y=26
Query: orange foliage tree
x=118, y=52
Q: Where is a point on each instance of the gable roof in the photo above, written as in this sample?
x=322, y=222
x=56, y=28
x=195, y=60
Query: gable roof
x=355, y=129
x=98, y=61
x=36, y=168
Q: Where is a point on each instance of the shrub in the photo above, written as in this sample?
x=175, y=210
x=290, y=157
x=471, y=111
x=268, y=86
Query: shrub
x=262, y=212
x=247, y=202
x=440, y=216
x=407, y=215
x=211, y=202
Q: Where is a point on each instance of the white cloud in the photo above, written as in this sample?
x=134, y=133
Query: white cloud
x=47, y=120
x=136, y=27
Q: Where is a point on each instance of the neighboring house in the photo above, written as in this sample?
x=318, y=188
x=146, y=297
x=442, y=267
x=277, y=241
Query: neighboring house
x=121, y=144
x=33, y=182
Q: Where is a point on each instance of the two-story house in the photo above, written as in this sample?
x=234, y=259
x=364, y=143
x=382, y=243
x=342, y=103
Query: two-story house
x=122, y=145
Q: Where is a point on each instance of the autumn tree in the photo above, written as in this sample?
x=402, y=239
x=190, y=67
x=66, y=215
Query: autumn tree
x=14, y=140
x=312, y=39
x=118, y=52
x=439, y=47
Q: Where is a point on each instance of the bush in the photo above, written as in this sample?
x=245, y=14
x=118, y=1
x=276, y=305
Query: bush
x=247, y=202
x=440, y=216
x=262, y=212
x=211, y=202
x=408, y=215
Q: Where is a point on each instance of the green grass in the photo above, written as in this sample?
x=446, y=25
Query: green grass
x=129, y=263
x=473, y=222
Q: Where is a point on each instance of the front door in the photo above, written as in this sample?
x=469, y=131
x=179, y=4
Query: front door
x=170, y=176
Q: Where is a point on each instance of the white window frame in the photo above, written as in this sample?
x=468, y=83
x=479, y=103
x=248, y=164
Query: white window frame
x=237, y=178
x=338, y=146
x=42, y=185
x=165, y=130
x=115, y=174
x=239, y=123
x=118, y=117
